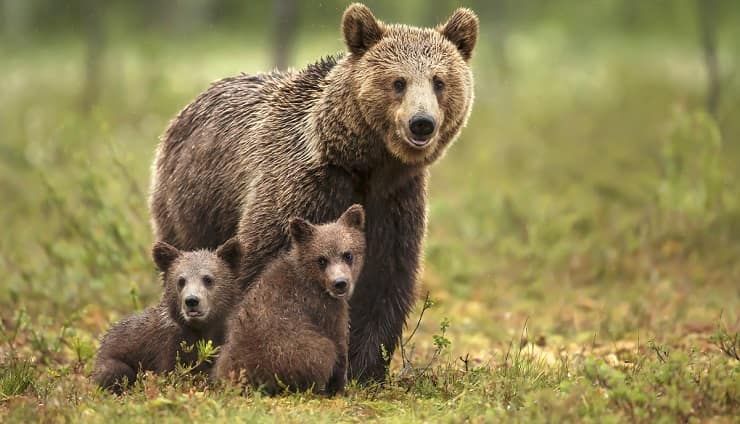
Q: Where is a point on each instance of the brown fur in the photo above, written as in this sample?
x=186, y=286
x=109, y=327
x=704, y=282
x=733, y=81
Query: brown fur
x=252, y=151
x=151, y=340
x=292, y=329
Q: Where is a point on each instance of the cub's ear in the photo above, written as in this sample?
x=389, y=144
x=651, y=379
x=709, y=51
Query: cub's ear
x=360, y=28
x=462, y=30
x=353, y=217
x=301, y=230
x=231, y=252
x=164, y=254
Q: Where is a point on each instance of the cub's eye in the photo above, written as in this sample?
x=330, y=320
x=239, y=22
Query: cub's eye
x=208, y=280
x=347, y=256
x=323, y=262
x=181, y=282
x=439, y=85
x=399, y=85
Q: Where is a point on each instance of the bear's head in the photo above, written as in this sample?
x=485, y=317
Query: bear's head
x=413, y=85
x=331, y=254
x=200, y=287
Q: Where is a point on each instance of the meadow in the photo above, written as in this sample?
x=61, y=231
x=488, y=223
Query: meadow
x=580, y=262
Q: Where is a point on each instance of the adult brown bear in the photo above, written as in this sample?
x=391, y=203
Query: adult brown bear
x=252, y=151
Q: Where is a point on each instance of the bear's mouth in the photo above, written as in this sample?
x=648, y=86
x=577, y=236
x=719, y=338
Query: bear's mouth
x=417, y=143
x=336, y=295
x=193, y=314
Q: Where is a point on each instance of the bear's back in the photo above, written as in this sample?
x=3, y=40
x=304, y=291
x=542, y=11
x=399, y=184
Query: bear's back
x=239, y=104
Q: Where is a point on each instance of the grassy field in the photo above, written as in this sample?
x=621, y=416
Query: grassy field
x=581, y=258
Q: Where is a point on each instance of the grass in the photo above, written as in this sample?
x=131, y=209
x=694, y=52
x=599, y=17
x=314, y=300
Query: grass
x=581, y=252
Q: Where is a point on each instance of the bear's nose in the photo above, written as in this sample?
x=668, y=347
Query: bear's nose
x=192, y=301
x=340, y=285
x=421, y=126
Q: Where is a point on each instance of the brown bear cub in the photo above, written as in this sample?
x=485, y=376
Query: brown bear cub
x=292, y=329
x=200, y=290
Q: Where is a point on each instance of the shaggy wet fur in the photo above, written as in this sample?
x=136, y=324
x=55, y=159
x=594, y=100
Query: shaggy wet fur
x=292, y=330
x=252, y=151
x=152, y=339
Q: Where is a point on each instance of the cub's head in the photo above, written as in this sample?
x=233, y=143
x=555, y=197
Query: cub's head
x=414, y=85
x=331, y=254
x=200, y=287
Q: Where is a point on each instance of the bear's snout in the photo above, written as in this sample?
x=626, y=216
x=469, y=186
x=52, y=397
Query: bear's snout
x=194, y=306
x=340, y=286
x=192, y=301
x=421, y=127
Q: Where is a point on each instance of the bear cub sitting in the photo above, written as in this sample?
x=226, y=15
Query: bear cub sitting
x=200, y=291
x=291, y=330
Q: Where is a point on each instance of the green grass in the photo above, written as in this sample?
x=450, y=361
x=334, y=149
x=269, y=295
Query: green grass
x=581, y=252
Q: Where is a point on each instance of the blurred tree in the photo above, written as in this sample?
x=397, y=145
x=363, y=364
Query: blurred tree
x=707, y=15
x=15, y=15
x=495, y=13
x=191, y=16
x=92, y=17
x=285, y=26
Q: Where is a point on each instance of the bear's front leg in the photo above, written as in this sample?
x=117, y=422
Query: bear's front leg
x=386, y=289
x=338, y=378
x=110, y=374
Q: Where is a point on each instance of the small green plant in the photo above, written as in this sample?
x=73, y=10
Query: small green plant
x=205, y=351
x=135, y=296
x=83, y=349
x=661, y=351
x=441, y=342
x=384, y=353
x=406, y=346
x=522, y=369
x=728, y=343
x=20, y=321
x=16, y=376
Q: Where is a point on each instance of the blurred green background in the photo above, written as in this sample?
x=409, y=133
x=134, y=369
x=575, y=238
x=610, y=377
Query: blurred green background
x=594, y=190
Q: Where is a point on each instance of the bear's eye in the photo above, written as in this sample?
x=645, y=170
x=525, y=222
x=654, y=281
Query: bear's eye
x=347, y=256
x=181, y=282
x=399, y=85
x=207, y=280
x=323, y=262
x=439, y=85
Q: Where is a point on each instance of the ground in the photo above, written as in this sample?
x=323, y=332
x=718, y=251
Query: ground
x=581, y=259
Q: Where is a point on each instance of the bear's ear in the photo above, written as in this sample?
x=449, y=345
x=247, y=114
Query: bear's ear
x=231, y=252
x=360, y=28
x=462, y=30
x=301, y=230
x=353, y=217
x=164, y=254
